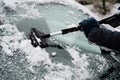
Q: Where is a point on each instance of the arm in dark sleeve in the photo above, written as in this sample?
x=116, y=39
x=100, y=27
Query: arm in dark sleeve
x=105, y=37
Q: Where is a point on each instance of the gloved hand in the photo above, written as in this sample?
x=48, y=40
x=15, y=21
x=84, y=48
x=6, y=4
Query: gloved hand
x=118, y=8
x=88, y=25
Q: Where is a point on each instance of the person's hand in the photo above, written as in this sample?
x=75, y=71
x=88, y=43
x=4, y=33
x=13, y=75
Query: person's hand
x=118, y=8
x=88, y=24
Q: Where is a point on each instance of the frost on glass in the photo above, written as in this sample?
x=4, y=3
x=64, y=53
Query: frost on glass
x=19, y=60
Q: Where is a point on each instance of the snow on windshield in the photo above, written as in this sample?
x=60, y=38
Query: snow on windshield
x=71, y=3
x=20, y=60
x=14, y=43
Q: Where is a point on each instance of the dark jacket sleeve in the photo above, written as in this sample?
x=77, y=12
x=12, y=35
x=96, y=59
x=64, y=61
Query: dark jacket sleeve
x=105, y=37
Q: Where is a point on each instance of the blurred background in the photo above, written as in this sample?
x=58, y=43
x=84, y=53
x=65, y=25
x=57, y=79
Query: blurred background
x=101, y=7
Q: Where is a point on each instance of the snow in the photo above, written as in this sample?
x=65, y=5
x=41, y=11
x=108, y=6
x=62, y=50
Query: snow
x=72, y=3
x=75, y=56
x=53, y=54
x=37, y=55
x=13, y=40
x=7, y=39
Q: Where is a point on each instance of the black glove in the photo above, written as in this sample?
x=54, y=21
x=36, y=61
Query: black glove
x=118, y=8
x=88, y=25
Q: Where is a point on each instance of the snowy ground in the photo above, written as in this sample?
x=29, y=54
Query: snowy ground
x=19, y=60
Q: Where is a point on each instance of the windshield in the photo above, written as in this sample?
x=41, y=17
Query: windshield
x=22, y=61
